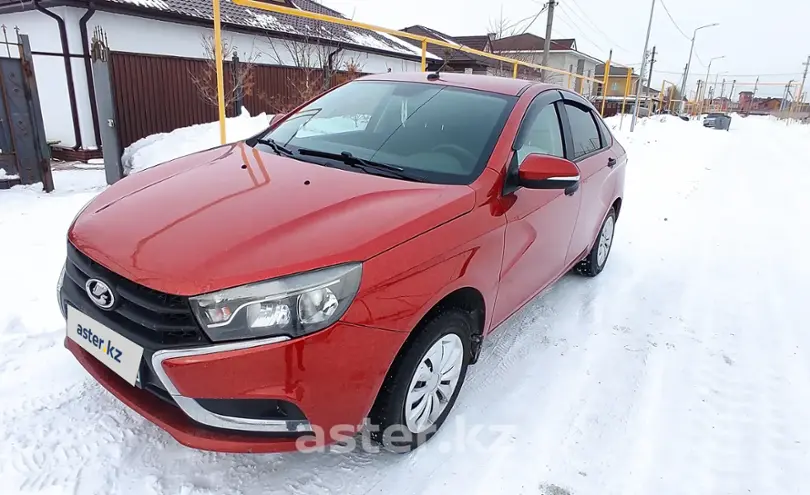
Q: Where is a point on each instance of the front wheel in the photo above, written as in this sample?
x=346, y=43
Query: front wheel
x=424, y=382
x=594, y=263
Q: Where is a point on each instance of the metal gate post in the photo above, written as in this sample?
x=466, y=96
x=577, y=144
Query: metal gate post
x=102, y=78
x=41, y=149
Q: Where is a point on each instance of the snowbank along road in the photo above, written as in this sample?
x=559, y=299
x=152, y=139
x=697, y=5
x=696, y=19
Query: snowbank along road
x=683, y=368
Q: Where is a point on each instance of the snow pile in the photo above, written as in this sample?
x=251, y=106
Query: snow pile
x=160, y=148
x=6, y=175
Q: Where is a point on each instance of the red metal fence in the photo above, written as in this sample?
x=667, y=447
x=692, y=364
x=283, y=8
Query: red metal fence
x=157, y=93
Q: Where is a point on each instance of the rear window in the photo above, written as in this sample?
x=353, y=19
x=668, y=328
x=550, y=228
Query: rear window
x=440, y=133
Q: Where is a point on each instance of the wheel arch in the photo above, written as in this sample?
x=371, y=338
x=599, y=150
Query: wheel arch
x=617, y=206
x=467, y=299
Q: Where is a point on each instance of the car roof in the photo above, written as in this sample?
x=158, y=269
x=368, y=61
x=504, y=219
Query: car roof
x=492, y=84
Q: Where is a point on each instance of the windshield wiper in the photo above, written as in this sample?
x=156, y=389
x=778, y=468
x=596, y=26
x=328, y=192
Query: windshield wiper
x=279, y=149
x=368, y=166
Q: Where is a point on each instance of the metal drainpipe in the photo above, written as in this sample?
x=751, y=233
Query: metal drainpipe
x=88, y=70
x=68, y=71
x=327, y=82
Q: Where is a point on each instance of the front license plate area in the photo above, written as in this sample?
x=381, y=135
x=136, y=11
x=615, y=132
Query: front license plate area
x=108, y=346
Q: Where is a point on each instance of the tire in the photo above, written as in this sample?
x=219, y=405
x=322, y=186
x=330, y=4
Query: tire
x=391, y=428
x=592, y=265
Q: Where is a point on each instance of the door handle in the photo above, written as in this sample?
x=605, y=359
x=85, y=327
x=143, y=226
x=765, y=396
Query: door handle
x=611, y=162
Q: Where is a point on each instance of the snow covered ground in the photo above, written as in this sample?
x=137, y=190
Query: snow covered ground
x=683, y=368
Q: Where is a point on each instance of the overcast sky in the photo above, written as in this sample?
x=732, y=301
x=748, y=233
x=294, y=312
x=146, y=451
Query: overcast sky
x=773, y=43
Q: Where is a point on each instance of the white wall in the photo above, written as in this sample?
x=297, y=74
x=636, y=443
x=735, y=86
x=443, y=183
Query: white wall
x=562, y=60
x=43, y=34
x=136, y=35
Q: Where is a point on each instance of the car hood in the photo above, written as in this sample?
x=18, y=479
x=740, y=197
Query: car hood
x=234, y=215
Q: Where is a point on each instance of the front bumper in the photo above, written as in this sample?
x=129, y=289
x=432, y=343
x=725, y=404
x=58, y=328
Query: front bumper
x=331, y=376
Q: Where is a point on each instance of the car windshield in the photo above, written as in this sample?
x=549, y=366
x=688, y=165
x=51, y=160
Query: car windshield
x=436, y=133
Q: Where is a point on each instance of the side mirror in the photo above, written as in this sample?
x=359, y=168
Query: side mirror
x=276, y=118
x=547, y=172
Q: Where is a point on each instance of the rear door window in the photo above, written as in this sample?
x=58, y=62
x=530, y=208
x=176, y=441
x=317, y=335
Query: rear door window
x=584, y=133
x=607, y=137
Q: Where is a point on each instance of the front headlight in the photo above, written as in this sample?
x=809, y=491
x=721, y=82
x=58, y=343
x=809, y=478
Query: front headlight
x=294, y=305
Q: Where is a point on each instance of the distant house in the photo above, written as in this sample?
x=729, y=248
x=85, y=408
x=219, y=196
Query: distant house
x=563, y=55
x=158, y=42
x=749, y=104
x=455, y=60
x=481, y=42
x=617, y=80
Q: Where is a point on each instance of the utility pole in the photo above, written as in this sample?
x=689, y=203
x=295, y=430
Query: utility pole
x=753, y=95
x=649, y=77
x=731, y=93
x=547, y=41
x=689, y=63
x=706, y=83
x=714, y=89
x=643, y=65
x=785, y=97
x=722, y=94
x=804, y=77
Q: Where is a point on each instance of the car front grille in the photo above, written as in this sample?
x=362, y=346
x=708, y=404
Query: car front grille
x=151, y=318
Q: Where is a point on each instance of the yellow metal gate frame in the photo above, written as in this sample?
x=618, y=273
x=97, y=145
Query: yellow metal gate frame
x=362, y=25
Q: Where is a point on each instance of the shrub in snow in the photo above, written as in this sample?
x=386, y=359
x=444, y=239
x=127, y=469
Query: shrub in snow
x=160, y=148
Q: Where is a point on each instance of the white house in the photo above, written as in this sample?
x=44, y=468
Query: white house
x=563, y=55
x=60, y=33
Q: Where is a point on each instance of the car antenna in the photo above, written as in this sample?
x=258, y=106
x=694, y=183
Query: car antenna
x=433, y=76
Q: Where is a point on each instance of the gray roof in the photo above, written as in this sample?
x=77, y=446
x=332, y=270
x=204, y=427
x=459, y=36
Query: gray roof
x=237, y=15
x=449, y=54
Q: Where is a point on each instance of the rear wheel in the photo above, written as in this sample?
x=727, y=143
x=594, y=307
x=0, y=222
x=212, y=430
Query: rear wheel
x=424, y=382
x=594, y=263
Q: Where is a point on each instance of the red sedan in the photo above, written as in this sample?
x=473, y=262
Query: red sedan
x=342, y=268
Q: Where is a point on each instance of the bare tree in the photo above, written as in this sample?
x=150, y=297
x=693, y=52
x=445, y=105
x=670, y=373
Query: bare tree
x=320, y=66
x=239, y=78
x=502, y=27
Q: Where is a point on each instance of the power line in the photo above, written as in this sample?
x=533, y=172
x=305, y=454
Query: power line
x=566, y=21
x=584, y=18
x=735, y=75
x=673, y=21
x=533, y=18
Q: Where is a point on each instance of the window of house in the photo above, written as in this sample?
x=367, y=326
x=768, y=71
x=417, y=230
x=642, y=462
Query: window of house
x=614, y=86
x=584, y=133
